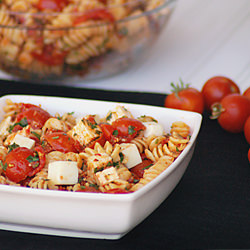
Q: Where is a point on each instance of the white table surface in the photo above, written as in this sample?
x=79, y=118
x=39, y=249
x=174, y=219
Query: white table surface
x=203, y=39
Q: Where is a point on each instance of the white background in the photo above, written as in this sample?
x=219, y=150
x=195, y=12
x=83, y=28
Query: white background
x=204, y=38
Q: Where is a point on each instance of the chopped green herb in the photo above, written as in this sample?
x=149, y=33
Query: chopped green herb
x=31, y=158
x=23, y=123
x=12, y=146
x=150, y=165
x=98, y=169
x=36, y=134
x=71, y=113
x=131, y=130
x=94, y=185
x=4, y=166
x=121, y=156
x=109, y=116
x=115, y=132
x=55, y=137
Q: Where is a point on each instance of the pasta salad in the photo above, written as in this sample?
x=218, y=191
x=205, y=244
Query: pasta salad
x=57, y=38
x=117, y=153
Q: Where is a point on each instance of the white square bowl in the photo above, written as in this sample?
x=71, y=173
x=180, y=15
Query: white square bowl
x=93, y=215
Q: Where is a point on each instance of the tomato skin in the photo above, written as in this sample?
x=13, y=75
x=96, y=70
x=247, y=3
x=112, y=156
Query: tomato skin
x=139, y=169
x=247, y=93
x=35, y=116
x=18, y=166
x=236, y=111
x=55, y=5
x=97, y=14
x=247, y=129
x=60, y=141
x=124, y=124
x=249, y=155
x=187, y=99
x=216, y=88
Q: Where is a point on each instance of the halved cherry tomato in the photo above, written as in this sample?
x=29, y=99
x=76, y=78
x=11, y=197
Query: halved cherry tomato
x=108, y=131
x=34, y=115
x=216, y=88
x=97, y=14
x=50, y=56
x=247, y=129
x=54, y=5
x=232, y=112
x=22, y=162
x=60, y=141
x=127, y=128
x=139, y=169
x=247, y=93
x=185, y=98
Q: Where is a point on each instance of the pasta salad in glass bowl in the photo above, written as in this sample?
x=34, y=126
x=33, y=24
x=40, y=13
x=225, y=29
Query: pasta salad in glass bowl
x=81, y=39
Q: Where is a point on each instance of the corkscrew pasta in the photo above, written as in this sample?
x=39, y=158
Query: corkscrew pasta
x=116, y=153
x=72, y=37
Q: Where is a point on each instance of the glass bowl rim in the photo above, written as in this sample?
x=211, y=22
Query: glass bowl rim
x=165, y=4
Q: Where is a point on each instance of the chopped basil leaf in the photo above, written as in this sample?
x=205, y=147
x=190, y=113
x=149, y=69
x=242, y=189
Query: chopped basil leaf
x=150, y=165
x=12, y=146
x=55, y=137
x=109, y=117
x=115, y=132
x=23, y=123
x=4, y=166
x=36, y=134
x=131, y=130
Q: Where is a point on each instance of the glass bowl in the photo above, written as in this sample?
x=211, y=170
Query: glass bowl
x=77, y=39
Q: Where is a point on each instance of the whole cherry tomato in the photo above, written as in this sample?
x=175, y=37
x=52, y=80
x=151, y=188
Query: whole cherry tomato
x=216, y=88
x=247, y=129
x=249, y=155
x=185, y=98
x=232, y=112
x=139, y=169
x=61, y=141
x=22, y=162
x=35, y=116
x=247, y=93
x=97, y=14
x=55, y=5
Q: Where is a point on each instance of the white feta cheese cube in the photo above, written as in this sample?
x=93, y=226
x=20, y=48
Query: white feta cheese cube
x=107, y=175
x=131, y=154
x=63, y=172
x=23, y=141
x=153, y=128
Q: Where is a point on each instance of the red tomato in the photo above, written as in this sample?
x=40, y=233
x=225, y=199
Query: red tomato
x=249, y=155
x=97, y=14
x=232, y=112
x=108, y=131
x=50, y=56
x=247, y=93
x=216, y=88
x=185, y=98
x=247, y=129
x=35, y=116
x=60, y=141
x=139, y=169
x=55, y=5
x=127, y=128
x=22, y=162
